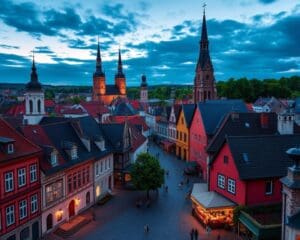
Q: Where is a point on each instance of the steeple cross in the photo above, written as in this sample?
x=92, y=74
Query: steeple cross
x=204, y=6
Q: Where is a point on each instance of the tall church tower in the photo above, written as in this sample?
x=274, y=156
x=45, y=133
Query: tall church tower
x=204, y=82
x=144, y=90
x=99, y=85
x=34, y=98
x=120, y=80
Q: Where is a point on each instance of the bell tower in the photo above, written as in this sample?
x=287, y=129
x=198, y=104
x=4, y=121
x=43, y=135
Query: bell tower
x=204, y=81
x=34, y=98
x=144, y=90
x=99, y=85
x=120, y=80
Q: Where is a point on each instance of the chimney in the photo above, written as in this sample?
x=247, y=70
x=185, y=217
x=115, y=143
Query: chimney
x=264, y=120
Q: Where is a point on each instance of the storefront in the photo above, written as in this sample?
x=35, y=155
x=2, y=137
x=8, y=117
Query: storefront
x=210, y=208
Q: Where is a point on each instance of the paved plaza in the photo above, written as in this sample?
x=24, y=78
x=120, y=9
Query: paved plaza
x=168, y=217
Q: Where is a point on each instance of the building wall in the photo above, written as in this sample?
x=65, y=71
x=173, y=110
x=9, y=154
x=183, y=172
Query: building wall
x=229, y=171
x=172, y=126
x=256, y=192
x=103, y=177
x=141, y=149
x=18, y=194
x=198, y=143
x=182, y=138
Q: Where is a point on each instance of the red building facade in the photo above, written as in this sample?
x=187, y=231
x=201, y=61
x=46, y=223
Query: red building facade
x=198, y=143
x=247, y=170
x=20, y=195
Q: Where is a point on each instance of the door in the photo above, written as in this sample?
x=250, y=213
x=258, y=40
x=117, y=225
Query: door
x=35, y=231
x=72, y=209
x=49, y=221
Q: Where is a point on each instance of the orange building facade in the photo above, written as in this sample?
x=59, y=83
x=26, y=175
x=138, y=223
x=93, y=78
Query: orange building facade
x=103, y=92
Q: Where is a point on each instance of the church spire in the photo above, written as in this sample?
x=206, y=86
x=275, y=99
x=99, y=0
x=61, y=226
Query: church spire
x=98, y=71
x=120, y=65
x=33, y=84
x=204, y=37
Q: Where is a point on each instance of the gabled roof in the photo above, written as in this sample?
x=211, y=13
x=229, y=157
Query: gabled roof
x=22, y=146
x=124, y=109
x=137, y=138
x=188, y=112
x=214, y=111
x=262, y=156
x=114, y=132
x=243, y=124
x=94, y=108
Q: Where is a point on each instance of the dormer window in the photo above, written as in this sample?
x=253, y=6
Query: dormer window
x=53, y=159
x=10, y=148
x=74, y=153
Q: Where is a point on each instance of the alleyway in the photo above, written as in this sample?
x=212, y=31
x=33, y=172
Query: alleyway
x=169, y=217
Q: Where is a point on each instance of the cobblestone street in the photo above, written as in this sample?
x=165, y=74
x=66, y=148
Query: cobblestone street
x=168, y=217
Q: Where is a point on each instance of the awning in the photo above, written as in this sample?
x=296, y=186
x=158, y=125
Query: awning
x=209, y=199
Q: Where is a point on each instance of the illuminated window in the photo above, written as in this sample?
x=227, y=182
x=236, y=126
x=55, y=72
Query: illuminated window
x=54, y=191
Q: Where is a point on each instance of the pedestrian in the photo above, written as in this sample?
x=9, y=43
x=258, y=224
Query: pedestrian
x=146, y=228
x=187, y=181
x=196, y=234
x=166, y=188
x=192, y=232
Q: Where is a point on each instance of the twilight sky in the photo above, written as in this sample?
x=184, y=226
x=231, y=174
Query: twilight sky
x=252, y=38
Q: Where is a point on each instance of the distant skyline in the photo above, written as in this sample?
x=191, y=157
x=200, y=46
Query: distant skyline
x=248, y=38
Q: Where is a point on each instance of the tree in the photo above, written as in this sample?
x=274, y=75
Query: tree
x=147, y=174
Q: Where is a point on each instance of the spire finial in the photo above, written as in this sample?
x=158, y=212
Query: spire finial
x=98, y=60
x=204, y=6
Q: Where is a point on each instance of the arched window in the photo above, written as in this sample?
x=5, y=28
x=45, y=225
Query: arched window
x=30, y=106
x=49, y=221
x=39, y=105
x=88, y=198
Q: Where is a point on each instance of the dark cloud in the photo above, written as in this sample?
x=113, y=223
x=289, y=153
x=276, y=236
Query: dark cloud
x=267, y=1
x=8, y=46
x=44, y=49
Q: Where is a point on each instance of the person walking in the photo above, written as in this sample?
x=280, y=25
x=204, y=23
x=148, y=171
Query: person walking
x=192, y=232
x=146, y=228
x=196, y=234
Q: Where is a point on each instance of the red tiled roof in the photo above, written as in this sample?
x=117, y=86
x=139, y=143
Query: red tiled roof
x=135, y=120
x=61, y=109
x=17, y=110
x=49, y=103
x=94, y=108
x=137, y=138
x=22, y=146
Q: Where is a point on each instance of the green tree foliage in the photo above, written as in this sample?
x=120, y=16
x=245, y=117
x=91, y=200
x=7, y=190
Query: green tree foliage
x=147, y=174
x=49, y=94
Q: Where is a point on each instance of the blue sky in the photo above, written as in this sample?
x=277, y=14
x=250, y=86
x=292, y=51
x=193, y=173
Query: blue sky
x=252, y=38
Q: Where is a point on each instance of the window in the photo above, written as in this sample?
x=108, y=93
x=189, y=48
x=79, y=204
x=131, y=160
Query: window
x=23, y=209
x=70, y=189
x=21, y=177
x=53, y=159
x=109, y=163
x=9, y=182
x=10, y=148
x=269, y=187
x=231, y=186
x=74, y=153
x=54, y=191
x=221, y=181
x=225, y=159
x=33, y=173
x=101, y=166
x=10, y=215
x=97, y=169
x=34, y=203
x=184, y=137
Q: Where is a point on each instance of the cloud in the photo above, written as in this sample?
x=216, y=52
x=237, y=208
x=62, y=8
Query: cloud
x=267, y=1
